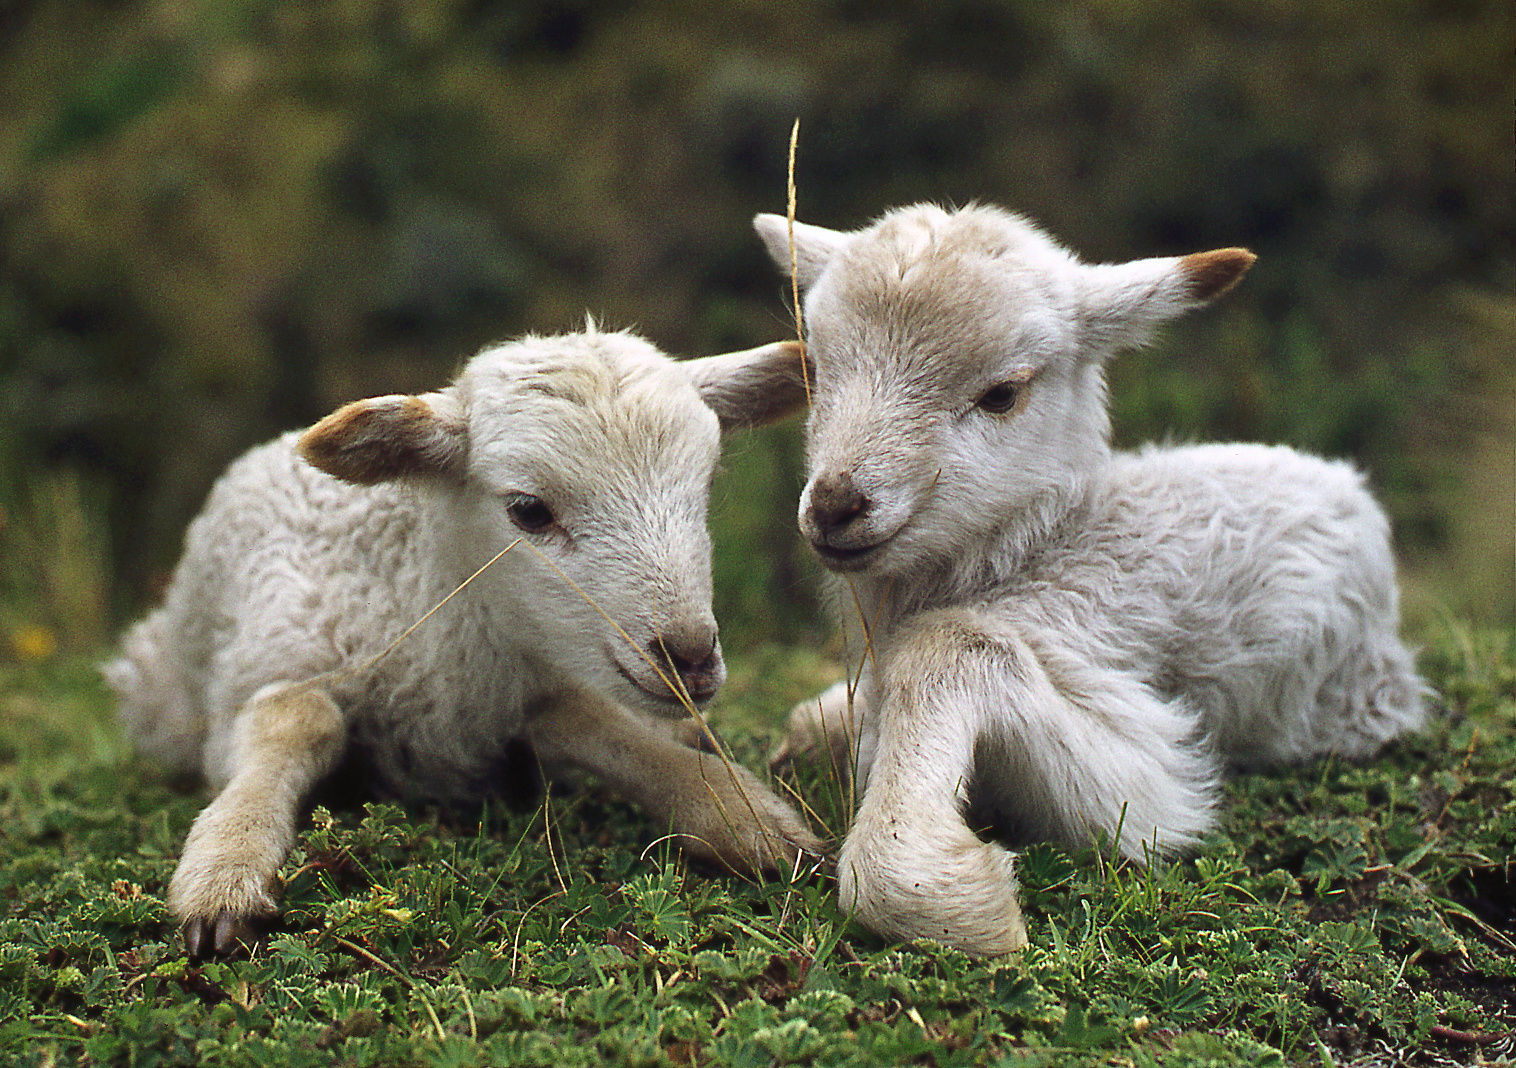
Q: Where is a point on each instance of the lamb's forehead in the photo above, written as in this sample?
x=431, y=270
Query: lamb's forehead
x=602, y=396
x=930, y=281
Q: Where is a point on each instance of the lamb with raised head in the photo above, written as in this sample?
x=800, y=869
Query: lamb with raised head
x=1063, y=642
x=266, y=663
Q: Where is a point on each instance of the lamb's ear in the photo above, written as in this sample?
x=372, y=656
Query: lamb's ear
x=384, y=438
x=753, y=386
x=814, y=246
x=1124, y=302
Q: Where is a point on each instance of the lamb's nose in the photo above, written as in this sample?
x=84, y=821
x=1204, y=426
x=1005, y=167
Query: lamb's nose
x=836, y=502
x=694, y=655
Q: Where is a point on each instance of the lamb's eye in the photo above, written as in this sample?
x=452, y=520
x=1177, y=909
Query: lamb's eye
x=999, y=399
x=528, y=512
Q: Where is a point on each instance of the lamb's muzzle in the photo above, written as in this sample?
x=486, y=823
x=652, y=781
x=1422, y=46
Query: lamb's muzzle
x=833, y=511
x=689, y=664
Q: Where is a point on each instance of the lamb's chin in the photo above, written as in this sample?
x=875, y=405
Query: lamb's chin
x=846, y=561
x=886, y=564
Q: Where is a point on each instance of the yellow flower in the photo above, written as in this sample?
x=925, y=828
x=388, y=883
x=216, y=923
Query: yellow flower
x=33, y=642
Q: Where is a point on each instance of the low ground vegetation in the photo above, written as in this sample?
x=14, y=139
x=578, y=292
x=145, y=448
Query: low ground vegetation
x=1342, y=915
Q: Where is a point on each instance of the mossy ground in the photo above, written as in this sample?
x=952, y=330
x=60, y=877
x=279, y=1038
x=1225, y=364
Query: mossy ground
x=1341, y=915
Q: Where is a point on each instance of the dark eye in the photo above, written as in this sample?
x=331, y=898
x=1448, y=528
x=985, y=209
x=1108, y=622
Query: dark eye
x=528, y=512
x=999, y=399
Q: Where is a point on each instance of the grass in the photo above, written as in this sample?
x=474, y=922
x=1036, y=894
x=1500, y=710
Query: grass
x=1341, y=915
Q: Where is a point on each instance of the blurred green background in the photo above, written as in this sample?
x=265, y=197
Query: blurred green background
x=222, y=218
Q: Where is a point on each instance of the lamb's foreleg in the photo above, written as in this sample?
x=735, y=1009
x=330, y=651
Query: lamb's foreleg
x=911, y=867
x=287, y=739
x=716, y=809
x=1058, y=748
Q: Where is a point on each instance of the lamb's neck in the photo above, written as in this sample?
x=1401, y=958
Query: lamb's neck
x=1028, y=533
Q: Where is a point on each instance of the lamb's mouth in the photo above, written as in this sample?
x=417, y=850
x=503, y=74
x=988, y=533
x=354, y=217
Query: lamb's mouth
x=839, y=559
x=662, y=692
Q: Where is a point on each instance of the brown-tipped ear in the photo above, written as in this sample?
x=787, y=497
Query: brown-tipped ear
x=385, y=438
x=1212, y=273
x=1123, y=303
x=754, y=386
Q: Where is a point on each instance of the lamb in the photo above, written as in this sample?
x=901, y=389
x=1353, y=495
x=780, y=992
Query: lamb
x=1063, y=642
x=592, y=455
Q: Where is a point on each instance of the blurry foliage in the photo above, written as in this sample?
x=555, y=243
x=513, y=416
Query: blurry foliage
x=54, y=571
x=221, y=219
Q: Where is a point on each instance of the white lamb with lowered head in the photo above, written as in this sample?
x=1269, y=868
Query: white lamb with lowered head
x=1063, y=641
x=316, y=551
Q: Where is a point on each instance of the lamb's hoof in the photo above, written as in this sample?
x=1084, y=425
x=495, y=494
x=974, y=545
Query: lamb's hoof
x=219, y=936
x=979, y=937
x=812, y=857
x=817, y=862
x=996, y=944
x=785, y=853
x=964, y=896
x=779, y=844
x=218, y=903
